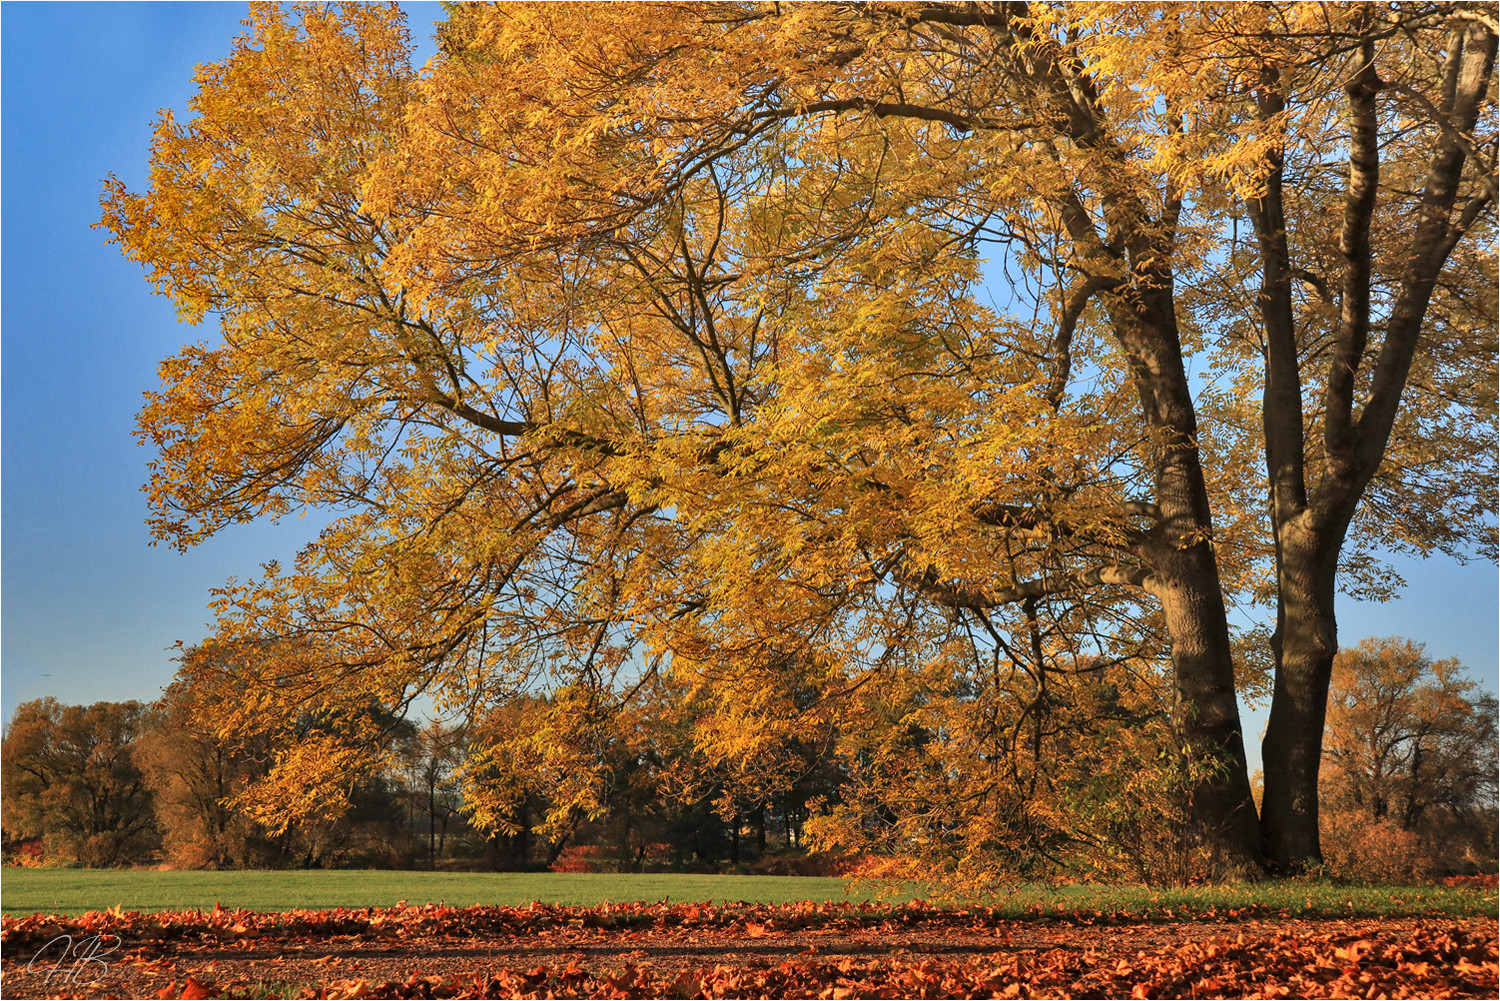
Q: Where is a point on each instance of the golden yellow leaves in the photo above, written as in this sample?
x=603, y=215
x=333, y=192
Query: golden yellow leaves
x=654, y=334
x=309, y=783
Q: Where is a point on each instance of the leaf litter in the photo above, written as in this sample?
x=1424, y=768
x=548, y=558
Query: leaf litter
x=803, y=950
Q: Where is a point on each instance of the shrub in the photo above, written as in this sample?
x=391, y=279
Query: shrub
x=585, y=858
x=1489, y=881
x=1357, y=848
x=27, y=854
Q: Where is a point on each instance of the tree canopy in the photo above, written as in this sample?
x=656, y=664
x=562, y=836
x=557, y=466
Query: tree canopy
x=1411, y=740
x=831, y=345
x=72, y=779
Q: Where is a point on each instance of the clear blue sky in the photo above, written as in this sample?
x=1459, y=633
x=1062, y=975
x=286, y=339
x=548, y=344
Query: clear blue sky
x=89, y=610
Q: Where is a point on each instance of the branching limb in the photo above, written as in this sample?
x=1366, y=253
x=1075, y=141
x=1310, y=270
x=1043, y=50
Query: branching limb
x=974, y=596
x=1062, y=357
x=1354, y=248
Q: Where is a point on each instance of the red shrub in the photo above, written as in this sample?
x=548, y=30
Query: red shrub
x=1486, y=882
x=584, y=858
x=26, y=854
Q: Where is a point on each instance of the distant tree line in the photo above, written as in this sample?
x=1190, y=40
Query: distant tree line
x=127, y=783
x=662, y=780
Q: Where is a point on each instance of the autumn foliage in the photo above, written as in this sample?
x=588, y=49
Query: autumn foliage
x=795, y=950
x=652, y=343
x=1087, y=786
x=1408, y=783
x=73, y=787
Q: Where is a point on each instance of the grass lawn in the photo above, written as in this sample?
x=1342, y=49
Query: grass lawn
x=1299, y=898
x=73, y=891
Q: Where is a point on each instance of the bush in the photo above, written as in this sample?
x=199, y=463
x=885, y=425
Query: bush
x=1357, y=848
x=585, y=858
x=1486, y=882
x=27, y=854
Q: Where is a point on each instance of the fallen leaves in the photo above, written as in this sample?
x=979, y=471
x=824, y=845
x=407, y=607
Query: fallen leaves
x=800, y=950
x=192, y=990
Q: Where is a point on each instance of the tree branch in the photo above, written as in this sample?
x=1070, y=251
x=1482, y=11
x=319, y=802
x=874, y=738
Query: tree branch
x=1062, y=342
x=1354, y=248
x=1433, y=241
x=1029, y=518
x=974, y=596
x=880, y=109
x=1281, y=398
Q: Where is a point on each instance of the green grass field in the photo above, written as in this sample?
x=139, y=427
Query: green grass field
x=73, y=891
x=1298, y=898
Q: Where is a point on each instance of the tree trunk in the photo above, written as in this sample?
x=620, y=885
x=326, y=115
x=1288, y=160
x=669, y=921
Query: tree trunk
x=1185, y=578
x=555, y=848
x=1304, y=645
x=1310, y=522
x=1206, y=714
x=431, y=827
x=521, y=841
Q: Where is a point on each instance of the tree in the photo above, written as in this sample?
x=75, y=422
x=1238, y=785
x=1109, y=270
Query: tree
x=666, y=768
x=1411, y=743
x=194, y=776
x=70, y=777
x=248, y=781
x=430, y=760
x=649, y=337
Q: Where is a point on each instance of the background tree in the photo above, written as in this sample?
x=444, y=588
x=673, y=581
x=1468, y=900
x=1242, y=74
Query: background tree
x=71, y=778
x=194, y=776
x=430, y=762
x=653, y=336
x=590, y=767
x=1411, y=745
x=309, y=785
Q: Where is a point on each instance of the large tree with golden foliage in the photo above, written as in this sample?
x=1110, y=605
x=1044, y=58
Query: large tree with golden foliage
x=632, y=336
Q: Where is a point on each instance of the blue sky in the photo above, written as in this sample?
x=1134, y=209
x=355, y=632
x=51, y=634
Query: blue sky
x=89, y=610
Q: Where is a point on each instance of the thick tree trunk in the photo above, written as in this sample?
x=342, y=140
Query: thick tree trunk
x=1304, y=645
x=1207, y=714
x=1185, y=578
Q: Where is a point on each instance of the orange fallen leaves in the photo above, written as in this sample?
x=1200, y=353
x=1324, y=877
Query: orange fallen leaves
x=934, y=953
x=192, y=990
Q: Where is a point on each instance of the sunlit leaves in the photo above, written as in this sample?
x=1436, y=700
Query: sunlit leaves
x=652, y=342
